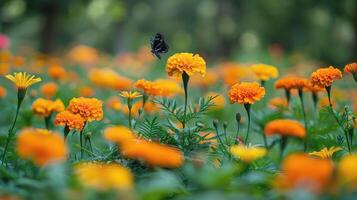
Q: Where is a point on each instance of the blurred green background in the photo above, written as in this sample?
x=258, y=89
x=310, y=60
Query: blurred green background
x=324, y=30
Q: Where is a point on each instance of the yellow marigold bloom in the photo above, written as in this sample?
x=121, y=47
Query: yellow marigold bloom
x=48, y=90
x=219, y=102
x=347, y=170
x=291, y=82
x=278, y=103
x=351, y=68
x=325, y=152
x=86, y=91
x=144, y=85
x=303, y=171
x=72, y=121
x=89, y=109
x=190, y=63
x=41, y=146
x=285, y=127
x=119, y=134
x=246, y=93
x=247, y=154
x=56, y=72
x=103, y=176
x=22, y=80
x=324, y=77
x=130, y=94
x=108, y=78
x=114, y=103
x=44, y=108
x=265, y=72
x=165, y=88
x=152, y=153
x=83, y=54
x=2, y=92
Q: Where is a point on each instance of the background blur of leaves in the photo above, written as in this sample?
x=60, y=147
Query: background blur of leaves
x=321, y=29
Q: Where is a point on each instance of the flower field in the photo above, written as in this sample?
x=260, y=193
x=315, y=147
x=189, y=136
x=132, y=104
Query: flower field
x=148, y=124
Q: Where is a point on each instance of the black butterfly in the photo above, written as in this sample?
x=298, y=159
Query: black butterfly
x=158, y=45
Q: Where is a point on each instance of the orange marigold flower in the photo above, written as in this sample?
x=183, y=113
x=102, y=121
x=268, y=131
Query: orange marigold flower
x=233, y=72
x=351, y=68
x=108, y=78
x=83, y=54
x=347, y=171
x=119, y=134
x=303, y=171
x=285, y=127
x=41, y=146
x=246, y=93
x=190, y=63
x=48, y=90
x=4, y=68
x=160, y=87
x=18, y=61
x=2, y=92
x=56, y=72
x=278, y=103
x=314, y=88
x=72, y=121
x=291, y=82
x=210, y=79
x=324, y=77
x=103, y=176
x=154, y=154
x=89, y=109
x=86, y=91
x=44, y=108
x=114, y=103
x=265, y=72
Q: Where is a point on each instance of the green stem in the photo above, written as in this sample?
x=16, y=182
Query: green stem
x=20, y=98
x=47, y=121
x=185, y=79
x=65, y=133
x=129, y=108
x=247, y=108
x=288, y=96
x=224, y=149
x=300, y=91
x=283, y=142
x=81, y=139
x=328, y=90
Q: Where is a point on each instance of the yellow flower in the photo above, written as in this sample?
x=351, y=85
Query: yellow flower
x=108, y=78
x=246, y=93
x=22, y=80
x=89, y=109
x=326, y=153
x=130, y=94
x=265, y=72
x=347, y=170
x=185, y=62
x=44, y=108
x=104, y=176
x=41, y=146
x=247, y=154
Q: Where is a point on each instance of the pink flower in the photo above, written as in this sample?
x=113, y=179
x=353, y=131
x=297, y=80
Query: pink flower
x=4, y=41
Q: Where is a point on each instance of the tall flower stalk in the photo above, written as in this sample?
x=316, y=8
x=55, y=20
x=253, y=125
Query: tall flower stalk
x=185, y=79
x=22, y=81
x=129, y=95
x=246, y=93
